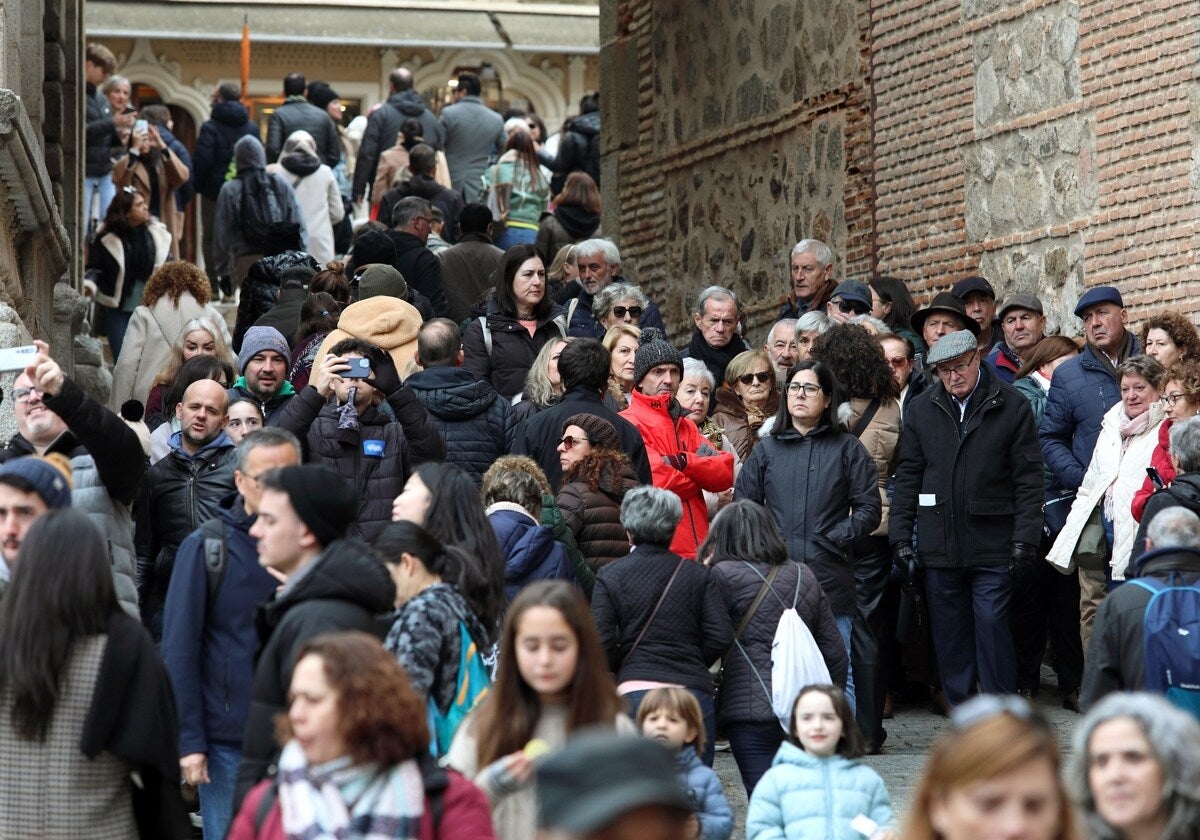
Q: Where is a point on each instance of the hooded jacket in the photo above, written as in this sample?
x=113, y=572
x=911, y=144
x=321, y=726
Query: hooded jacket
x=228, y=242
x=530, y=552
x=382, y=127
x=594, y=516
x=259, y=292
x=566, y=225
x=579, y=150
x=474, y=421
x=344, y=588
x=316, y=192
x=229, y=122
x=298, y=114
x=704, y=789
x=805, y=797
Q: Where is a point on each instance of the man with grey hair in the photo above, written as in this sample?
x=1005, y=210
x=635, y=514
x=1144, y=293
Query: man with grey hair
x=781, y=347
x=1115, y=660
x=209, y=638
x=715, y=339
x=412, y=222
x=599, y=263
x=813, y=281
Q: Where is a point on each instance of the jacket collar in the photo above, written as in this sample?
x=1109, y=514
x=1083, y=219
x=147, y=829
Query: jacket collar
x=662, y=404
x=987, y=388
x=1168, y=560
x=221, y=441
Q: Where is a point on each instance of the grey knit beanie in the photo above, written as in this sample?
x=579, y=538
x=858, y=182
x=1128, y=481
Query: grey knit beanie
x=653, y=350
x=258, y=339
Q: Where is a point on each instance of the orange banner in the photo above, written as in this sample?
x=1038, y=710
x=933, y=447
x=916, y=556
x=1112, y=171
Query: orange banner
x=246, y=56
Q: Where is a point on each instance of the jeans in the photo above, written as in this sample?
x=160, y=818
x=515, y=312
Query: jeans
x=754, y=746
x=216, y=797
x=845, y=623
x=515, y=236
x=102, y=185
x=116, y=322
x=707, y=709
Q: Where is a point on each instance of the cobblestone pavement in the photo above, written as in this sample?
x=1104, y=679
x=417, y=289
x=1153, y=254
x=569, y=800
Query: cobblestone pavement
x=911, y=734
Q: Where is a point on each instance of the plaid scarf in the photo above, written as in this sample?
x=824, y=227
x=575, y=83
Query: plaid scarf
x=339, y=800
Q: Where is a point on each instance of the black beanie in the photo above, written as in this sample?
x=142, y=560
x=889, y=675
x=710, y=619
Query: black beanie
x=322, y=499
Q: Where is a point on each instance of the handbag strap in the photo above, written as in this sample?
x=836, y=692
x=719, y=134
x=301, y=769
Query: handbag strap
x=867, y=416
x=654, y=611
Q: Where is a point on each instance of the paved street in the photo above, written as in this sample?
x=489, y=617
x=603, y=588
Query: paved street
x=910, y=735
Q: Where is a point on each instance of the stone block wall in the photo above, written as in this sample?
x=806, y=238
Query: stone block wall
x=1048, y=144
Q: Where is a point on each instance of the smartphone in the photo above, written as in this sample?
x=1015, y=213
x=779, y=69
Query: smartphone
x=129, y=109
x=359, y=368
x=140, y=126
x=16, y=358
x=1155, y=478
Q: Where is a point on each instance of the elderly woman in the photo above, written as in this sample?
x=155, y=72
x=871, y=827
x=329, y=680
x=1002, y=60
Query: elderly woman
x=619, y=303
x=995, y=773
x=1181, y=400
x=746, y=399
x=659, y=621
x=1135, y=769
x=694, y=397
x=521, y=318
x=597, y=475
x=810, y=327
x=356, y=759
x=1123, y=450
x=621, y=342
x=543, y=384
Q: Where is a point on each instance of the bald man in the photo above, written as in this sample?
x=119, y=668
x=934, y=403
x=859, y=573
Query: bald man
x=182, y=491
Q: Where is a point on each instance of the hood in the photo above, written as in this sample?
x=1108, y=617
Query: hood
x=346, y=570
x=299, y=155
x=422, y=186
x=249, y=154
x=232, y=114
x=452, y=393
x=587, y=124
x=526, y=544
x=221, y=441
x=1163, y=560
x=789, y=753
x=407, y=102
x=576, y=221
x=388, y=323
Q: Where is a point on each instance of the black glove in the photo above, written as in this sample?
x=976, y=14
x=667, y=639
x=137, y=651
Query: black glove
x=905, y=559
x=1024, y=555
x=678, y=461
x=387, y=379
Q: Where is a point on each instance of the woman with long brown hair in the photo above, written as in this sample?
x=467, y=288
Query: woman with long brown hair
x=576, y=216
x=521, y=191
x=552, y=681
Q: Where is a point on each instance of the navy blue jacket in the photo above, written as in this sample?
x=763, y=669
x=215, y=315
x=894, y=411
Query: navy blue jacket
x=1081, y=391
x=584, y=324
x=530, y=552
x=229, y=123
x=209, y=653
x=475, y=422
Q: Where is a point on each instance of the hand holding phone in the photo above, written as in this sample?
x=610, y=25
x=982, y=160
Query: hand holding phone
x=1155, y=478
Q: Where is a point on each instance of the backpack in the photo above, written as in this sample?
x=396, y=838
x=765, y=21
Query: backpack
x=215, y=554
x=563, y=322
x=472, y=685
x=1171, y=646
x=260, y=208
x=796, y=661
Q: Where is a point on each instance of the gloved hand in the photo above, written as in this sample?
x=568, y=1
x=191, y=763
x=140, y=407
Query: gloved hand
x=905, y=558
x=387, y=379
x=678, y=461
x=1024, y=555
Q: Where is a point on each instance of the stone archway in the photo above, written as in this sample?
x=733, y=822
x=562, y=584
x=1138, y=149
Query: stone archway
x=541, y=86
x=165, y=76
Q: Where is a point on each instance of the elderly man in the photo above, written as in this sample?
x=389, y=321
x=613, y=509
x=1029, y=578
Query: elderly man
x=599, y=264
x=969, y=483
x=412, y=222
x=1024, y=326
x=944, y=314
x=812, y=279
x=979, y=300
x=781, y=347
x=850, y=299
x=107, y=462
x=715, y=339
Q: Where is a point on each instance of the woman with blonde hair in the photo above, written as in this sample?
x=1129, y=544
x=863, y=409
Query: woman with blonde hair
x=621, y=342
x=997, y=766
x=543, y=384
x=176, y=302
x=746, y=399
x=563, y=269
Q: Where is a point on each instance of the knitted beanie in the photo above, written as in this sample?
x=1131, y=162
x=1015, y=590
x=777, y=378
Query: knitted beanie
x=380, y=279
x=600, y=432
x=322, y=499
x=258, y=339
x=653, y=350
x=49, y=476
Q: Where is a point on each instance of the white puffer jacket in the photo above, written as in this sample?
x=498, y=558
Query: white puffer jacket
x=1110, y=464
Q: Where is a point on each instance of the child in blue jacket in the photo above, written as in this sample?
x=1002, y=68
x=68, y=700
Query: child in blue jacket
x=672, y=717
x=815, y=788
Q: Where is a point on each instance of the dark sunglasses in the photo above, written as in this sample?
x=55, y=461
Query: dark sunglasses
x=847, y=306
x=762, y=376
x=569, y=441
x=631, y=311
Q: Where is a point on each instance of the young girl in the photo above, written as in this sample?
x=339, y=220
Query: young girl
x=815, y=788
x=552, y=681
x=672, y=716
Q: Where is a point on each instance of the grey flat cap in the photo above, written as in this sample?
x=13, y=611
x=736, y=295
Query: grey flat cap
x=952, y=346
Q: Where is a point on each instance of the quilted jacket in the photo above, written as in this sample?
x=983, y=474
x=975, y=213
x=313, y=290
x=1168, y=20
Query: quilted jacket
x=475, y=422
x=594, y=516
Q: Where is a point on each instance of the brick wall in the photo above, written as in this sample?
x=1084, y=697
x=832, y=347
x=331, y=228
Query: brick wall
x=1049, y=145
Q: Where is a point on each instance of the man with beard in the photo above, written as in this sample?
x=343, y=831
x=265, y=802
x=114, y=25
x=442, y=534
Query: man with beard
x=781, y=347
x=263, y=364
x=599, y=264
x=182, y=491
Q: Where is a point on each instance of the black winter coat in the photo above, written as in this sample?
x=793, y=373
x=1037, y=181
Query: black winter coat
x=1183, y=492
x=178, y=495
x=475, y=422
x=420, y=268
x=285, y=315
x=513, y=348
x=422, y=186
x=1115, y=654
x=260, y=290
x=101, y=134
x=345, y=588
x=374, y=459
x=579, y=149
x=594, y=516
x=383, y=125
x=742, y=697
x=822, y=490
x=970, y=493
x=229, y=123
x=689, y=633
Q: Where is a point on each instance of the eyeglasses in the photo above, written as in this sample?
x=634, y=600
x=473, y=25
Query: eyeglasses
x=631, y=311
x=958, y=370
x=1173, y=399
x=847, y=306
x=763, y=376
x=569, y=441
x=22, y=394
x=795, y=389
x=986, y=706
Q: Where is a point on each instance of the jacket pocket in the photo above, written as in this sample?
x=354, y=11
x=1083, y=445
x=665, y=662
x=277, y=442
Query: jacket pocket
x=991, y=525
x=932, y=530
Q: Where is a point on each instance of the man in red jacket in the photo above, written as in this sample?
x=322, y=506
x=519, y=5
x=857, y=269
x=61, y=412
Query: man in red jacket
x=681, y=459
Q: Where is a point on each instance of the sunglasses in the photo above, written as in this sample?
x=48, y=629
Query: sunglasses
x=569, y=441
x=762, y=376
x=631, y=311
x=847, y=306
x=899, y=362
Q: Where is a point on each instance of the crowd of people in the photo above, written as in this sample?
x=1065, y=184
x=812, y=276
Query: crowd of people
x=424, y=543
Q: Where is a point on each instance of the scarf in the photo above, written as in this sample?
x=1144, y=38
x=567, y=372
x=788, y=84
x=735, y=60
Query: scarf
x=715, y=358
x=299, y=163
x=1129, y=427
x=1122, y=354
x=338, y=800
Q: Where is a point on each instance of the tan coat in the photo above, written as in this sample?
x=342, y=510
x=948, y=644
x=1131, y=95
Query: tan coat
x=881, y=439
x=731, y=416
x=130, y=170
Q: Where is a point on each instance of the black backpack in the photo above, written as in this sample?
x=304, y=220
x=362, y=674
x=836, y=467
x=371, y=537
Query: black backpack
x=261, y=206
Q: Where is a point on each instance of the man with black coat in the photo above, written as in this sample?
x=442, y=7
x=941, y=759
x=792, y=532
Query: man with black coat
x=384, y=124
x=422, y=161
x=412, y=222
x=298, y=114
x=579, y=147
x=467, y=267
x=293, y=292
x=583, y=366
x=969, y=480
x=333, y=584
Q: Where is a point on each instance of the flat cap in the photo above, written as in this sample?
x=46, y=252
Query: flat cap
x=1099, y=294
x=1021, y=302
x=952, y=346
